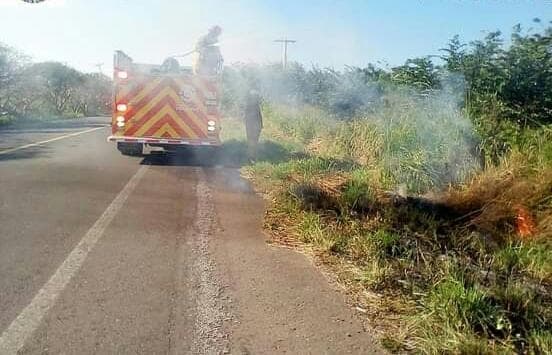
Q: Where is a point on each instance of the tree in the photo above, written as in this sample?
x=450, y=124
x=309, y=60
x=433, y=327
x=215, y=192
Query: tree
x=482, y=66
x=92, y=96
x=527, y=88
x=455, y=55
x=60, y=83
x=28, y=93
x=11, y=63
x=419, y=73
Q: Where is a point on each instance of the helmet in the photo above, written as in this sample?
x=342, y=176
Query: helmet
x=215, y=30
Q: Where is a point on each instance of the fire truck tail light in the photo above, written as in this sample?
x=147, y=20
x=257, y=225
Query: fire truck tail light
x=122, y=74
x=120, y=119
x=211, y=128
x=211, y=123
x=120, y=124
x=121, y=107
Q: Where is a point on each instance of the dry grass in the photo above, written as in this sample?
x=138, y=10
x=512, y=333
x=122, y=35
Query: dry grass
x=502, y=200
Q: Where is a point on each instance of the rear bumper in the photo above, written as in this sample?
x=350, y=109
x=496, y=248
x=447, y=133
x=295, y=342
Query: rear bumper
x=145, y=140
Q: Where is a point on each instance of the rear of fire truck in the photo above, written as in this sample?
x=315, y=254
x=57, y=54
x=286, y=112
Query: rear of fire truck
x=163, y=106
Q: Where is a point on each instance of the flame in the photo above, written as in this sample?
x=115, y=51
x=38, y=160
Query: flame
x=525, y=225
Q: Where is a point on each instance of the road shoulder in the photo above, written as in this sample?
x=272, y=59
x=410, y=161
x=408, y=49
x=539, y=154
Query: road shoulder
x=280, y=302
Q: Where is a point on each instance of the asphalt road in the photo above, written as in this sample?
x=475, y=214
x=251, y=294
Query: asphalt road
x=102, y=253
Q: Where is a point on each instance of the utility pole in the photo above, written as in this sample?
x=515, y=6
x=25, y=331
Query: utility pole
x=99, y=66
x=285, y=43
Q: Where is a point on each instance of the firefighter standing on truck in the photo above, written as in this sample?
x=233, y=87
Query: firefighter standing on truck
x=207, y=58
x=253, y=122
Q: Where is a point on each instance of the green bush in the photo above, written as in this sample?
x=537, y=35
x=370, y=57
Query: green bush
x=540, y=342
x=456, y=317
x=522, y=309
x=532, y=258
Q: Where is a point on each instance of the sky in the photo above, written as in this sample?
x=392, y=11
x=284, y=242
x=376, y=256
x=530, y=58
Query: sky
x=334, y=33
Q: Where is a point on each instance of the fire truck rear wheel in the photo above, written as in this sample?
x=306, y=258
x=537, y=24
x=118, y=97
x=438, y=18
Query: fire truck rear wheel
x=131, y=149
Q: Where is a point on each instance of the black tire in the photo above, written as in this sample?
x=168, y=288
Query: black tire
x=130, y=149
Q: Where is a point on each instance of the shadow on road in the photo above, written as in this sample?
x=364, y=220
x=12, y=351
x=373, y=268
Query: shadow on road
x=60, y=130
x=232, y=154
x=27, y=153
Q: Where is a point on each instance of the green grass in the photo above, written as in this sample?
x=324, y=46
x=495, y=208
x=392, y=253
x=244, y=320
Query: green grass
x=453, y=307
x=31, y=120
x=423, y=145
x=540, y=342
x=533, y=259
x=4, y=121
x=358, y=194
x=232, y=129
x=314, y=233
x=460, y=316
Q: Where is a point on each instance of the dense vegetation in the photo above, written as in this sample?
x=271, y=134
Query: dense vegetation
x=500, y=89
x=426, y=188
x=50, y=89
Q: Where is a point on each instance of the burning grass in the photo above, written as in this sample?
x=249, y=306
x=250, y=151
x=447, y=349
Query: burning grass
x=467, y=269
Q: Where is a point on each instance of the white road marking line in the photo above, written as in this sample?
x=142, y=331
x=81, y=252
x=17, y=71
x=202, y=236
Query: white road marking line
x=14, y=337
x=49, y=140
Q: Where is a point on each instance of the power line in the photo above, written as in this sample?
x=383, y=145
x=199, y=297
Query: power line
x=285, y=43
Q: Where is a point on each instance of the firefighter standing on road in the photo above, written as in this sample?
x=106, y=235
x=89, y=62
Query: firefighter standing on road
x=253, y=122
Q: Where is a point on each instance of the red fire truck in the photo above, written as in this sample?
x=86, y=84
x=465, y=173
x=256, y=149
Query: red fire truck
x=163, y=106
